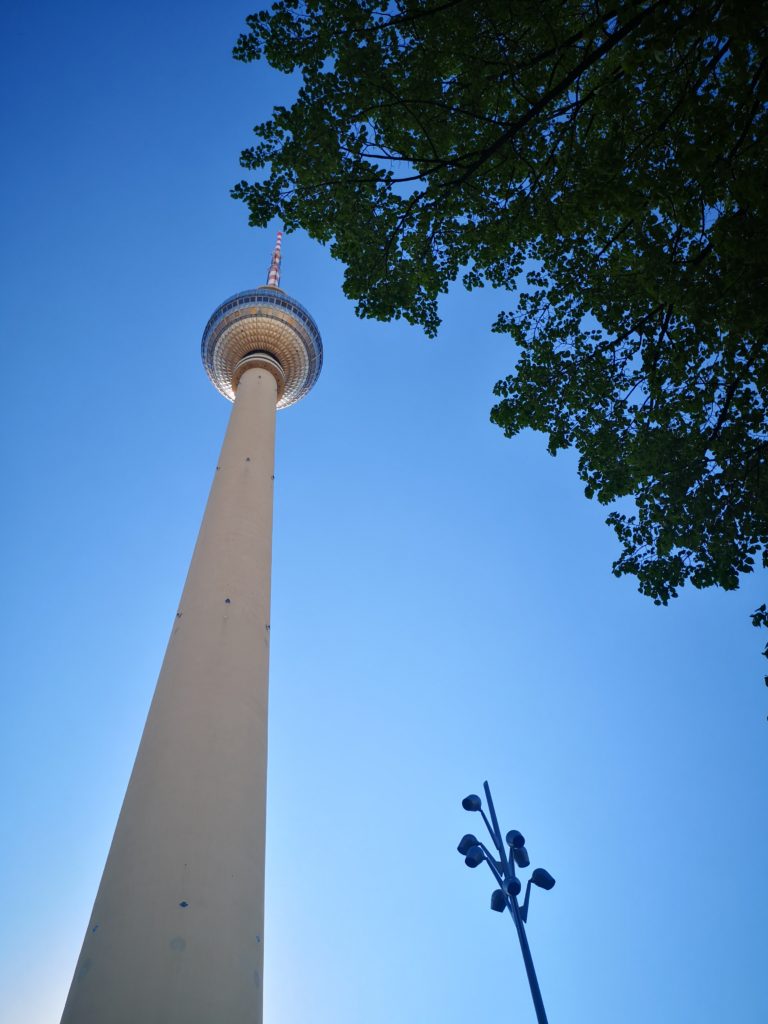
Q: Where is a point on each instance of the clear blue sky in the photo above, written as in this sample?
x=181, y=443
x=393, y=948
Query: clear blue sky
x=444, y=610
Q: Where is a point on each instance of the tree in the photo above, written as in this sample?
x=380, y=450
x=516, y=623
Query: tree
x=606, y=161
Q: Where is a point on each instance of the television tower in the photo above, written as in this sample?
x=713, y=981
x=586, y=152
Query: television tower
x=176, y=933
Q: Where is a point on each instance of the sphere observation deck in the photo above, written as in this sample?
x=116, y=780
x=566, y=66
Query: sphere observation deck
x=263, y=328
x=263, y=321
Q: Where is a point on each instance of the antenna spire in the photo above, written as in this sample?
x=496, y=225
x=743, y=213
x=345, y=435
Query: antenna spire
x=273, y=277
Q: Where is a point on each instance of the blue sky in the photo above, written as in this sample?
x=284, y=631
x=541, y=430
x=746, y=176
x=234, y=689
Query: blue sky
x=443, y=607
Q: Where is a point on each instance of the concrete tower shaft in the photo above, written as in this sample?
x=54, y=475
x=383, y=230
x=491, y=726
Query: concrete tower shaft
x=176, y=933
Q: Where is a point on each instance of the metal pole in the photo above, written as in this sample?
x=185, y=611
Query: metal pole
x=514, y=909
x=533, y=981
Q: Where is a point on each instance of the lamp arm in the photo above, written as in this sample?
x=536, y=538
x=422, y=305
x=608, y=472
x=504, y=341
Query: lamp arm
x=492, y=865
x=524, y=908
x=498, y=841
x=489, y=827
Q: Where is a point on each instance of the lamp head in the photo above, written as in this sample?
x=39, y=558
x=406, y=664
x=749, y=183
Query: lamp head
x=472, y=803
x=521, y=856
x=466, y=844
x=474, y=857
x=515, y=839
x=514, y=886
x=498, y=901
x=542, y=878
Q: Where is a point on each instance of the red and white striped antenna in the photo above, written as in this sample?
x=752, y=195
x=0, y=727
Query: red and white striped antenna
x=273, y=278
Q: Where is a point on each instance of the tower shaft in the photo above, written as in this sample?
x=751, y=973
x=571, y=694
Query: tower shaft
x=176, y=931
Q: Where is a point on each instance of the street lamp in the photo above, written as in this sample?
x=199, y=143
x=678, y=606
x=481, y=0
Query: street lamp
x=503, y=870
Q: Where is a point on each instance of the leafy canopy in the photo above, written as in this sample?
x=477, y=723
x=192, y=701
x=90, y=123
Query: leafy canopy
x=608, y=162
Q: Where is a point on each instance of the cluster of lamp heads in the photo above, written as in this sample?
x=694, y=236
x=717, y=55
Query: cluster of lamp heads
x=475, y=853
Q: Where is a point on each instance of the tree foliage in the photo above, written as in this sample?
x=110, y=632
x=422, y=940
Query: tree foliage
x=606, y=161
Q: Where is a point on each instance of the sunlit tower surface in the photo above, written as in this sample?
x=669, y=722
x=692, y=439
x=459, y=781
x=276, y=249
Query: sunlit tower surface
x=176, y=933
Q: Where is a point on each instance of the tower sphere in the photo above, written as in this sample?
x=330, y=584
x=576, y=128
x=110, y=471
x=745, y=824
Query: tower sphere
x=263, y=327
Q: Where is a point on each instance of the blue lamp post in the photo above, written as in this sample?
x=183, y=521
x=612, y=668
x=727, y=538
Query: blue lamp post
x=511, y=854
